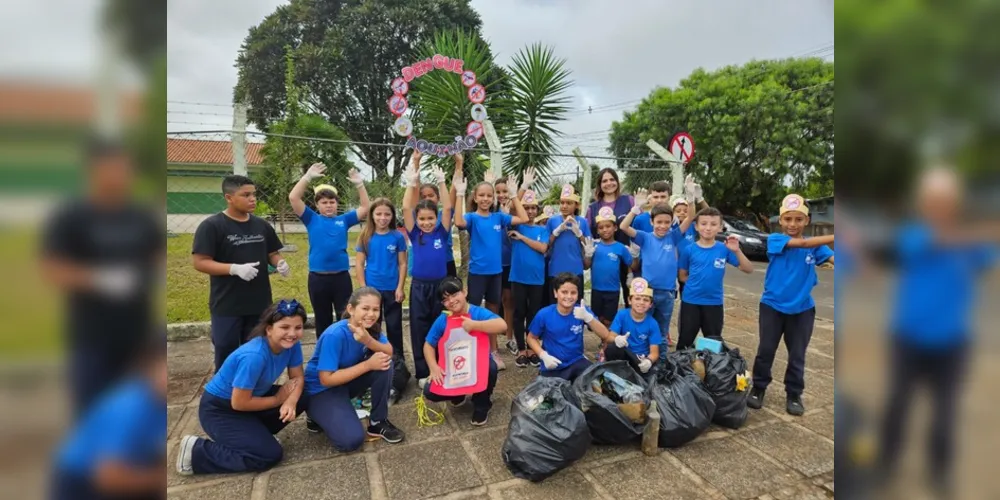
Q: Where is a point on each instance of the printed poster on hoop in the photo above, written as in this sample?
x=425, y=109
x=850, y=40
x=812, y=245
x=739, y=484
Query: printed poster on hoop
x=464, y=357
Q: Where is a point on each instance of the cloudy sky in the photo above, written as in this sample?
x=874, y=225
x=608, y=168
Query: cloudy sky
x=617, y=55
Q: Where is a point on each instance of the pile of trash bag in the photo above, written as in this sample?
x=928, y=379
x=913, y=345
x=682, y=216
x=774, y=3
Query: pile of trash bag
x=728, y=380
x=547, y=432
x=614, y=399
x=685, y=406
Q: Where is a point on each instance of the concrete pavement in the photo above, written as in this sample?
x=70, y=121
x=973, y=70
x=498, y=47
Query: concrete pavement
x=774, y=456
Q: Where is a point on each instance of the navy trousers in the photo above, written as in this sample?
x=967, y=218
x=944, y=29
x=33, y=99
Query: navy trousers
x=796, y=329
x=392, y=314
x=425, y=307
x=241, y=441
x=333, y=411
x=329, y=294
x=229, y=333
x=567, y=372
x=481, y=401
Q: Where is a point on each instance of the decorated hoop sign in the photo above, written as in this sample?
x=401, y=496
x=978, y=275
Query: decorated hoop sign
x=398, y=106
x=639, y=285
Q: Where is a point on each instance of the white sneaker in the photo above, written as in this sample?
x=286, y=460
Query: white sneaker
x=512, y=347
x=421, y=383
x=184, y=455
x=499, y=362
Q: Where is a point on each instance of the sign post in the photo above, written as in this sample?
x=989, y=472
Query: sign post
x=676, y=166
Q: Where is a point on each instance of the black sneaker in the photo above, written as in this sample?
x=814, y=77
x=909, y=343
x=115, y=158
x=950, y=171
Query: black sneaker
x=521, y=361
x=756, y=399
x=385, y=430
x=479, y=417
x=534, y=360
x=794, y=405
x=312, y=426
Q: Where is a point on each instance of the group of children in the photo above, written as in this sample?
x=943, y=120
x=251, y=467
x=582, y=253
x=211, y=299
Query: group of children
x=534, y=271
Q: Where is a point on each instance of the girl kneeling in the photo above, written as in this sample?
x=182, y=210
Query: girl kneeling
x=241, y=409
x=352, y=356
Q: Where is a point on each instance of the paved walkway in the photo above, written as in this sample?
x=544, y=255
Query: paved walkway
x=774, y=456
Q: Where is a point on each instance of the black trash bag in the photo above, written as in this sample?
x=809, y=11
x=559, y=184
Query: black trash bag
x=400, y=376
x=685, y=406
x=683, y=359
x=722, y=374
x=608, y=424
x=547, y=432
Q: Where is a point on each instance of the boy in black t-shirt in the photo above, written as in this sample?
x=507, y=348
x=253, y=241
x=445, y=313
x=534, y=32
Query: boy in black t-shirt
x=231, y=246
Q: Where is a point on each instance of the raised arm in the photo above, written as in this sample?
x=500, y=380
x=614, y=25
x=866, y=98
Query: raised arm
x=410, y=196
x=814, y=242
x=447, y=216
x=359, y=183
x=458, y=185
x=520, y=215
x=640, y=205
x=316, y=170
x=733, y=244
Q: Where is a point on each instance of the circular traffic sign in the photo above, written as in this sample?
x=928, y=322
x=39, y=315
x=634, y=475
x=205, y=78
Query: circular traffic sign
x=682, y=146
x=400, y=87
x=397, y=105
x=477, y=93
x=468, y=78
x=475, y=129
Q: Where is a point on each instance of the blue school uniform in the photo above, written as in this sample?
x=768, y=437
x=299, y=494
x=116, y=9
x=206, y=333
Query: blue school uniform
x=659, y=258
x=335, y=349
x=690, y=236
x=127, y=425
x=382, y=260
x=253, y=367
x=706, y=269
x=561, y=335
x=791, y=275
x=642, y=333
x=486, y=234
x=528, y=266
x=566, y=251
x=606, y=264
x=936, y=290
x=437, y=329
x=431, y=250
x=328, y=240
x=642, y=222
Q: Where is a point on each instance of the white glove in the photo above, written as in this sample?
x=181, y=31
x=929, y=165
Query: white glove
x=246, y=272
x=576, y=230
x=550, y=362
x=116, y=281
x=316, y=170
x=621, y=341
x=562, y=227
x=635, y=250
x=580, y=312
x=528, y=178
x=692, y=190
x=438, y=175
x=283, y=268
x=589, y=248
x=459, y=184
x=413, y=179
x=645, y=364
x=355, y=177
x=640, y=202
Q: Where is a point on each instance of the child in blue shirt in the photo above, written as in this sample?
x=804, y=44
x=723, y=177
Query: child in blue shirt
x=658, y=251
x=351, y=357
x=478, y=319
x=567, y=232
x=527, y=275
x=118, y=448
x=703, y=267
x=241, y=409
x=329, y=266
x=381, y=264
x=487, y=230
x=604, y=260
x=556, y=333
x=636, y=335
x=428, y=237
x=659, y=192
x=786, y=306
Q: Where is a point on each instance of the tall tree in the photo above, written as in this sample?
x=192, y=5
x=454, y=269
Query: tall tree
x=760, y=130
x=346, y=54
x=287, y=157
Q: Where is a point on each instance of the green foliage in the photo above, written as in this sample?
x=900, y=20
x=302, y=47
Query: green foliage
x=346, y=54
x=760, y=130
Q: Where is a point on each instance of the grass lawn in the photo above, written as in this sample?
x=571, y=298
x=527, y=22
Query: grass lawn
x=32, y=309
x=187, y=289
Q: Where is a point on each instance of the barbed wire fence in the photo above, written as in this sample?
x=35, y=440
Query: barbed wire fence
x=199, y=160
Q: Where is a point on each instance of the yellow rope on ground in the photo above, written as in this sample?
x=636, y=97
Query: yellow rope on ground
x=427, y=416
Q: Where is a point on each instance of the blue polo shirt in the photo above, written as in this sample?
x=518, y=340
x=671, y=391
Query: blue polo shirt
x=937, y=288
x=659, y=258
x=128, y=425
x=335, y=349
x=528, y=266
x=566, y=251
x=431, y=251
x=486, y=235
x=561, y=336
x=642, y=333
x=791, y=275
x=437, y=329
x=382, y=260
x=252, y=366
x=604, y=266
x=642, y=222
x=706, y=269
x=328, y=240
